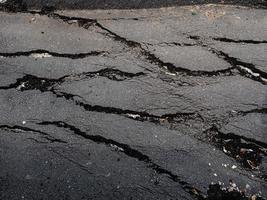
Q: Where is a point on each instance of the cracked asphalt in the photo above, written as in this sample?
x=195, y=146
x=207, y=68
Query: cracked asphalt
x=159, y=103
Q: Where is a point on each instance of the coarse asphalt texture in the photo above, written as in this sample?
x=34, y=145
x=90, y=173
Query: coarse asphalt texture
x=150, y=103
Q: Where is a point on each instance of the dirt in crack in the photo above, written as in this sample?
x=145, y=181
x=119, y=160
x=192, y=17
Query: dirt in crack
x=31, y=82
x=86, y=22
x=143, y=116
x=231, y=192
x=248, y=152
x=245, y=69
x=40, y=53
x=157, y=61
x=112, y=74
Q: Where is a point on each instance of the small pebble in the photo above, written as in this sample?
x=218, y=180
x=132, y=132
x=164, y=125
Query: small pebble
x=234, y=167
x=225, y=165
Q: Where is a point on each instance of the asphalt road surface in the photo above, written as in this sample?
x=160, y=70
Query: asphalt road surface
x=163, y=103
x=122, y=4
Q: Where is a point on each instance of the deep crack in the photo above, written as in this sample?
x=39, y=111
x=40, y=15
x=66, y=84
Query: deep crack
x=231, y=192
x=141, y=116
x=129, y=151
x=223, y=39
x=152, y=58
x=173, y=44
x=44, y=53
x=246, y=69
x=247, y=151
x=86, y=22
x=112, y=74
x=233, y=144
x=31, y=82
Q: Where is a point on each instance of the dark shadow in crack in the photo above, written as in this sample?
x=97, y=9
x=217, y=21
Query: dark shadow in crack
x=131, y=152
x=41, y=52
x=247, y=151
x=232, y=192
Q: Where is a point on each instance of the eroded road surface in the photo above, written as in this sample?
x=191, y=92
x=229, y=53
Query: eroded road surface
x=165, y=103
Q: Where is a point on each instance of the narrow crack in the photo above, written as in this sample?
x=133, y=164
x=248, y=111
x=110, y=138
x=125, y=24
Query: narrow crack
x=86, y=23
x=257, y=110
x=141, y=116
x=245, y=69
x=82, y=167
x=49, y=12
x=152, y=58
x=19, y=6
x=178, y=117
x=172, y=44
x=45, y=135
x=31, y=82
x=82, y=22
x=129, y=151
x=223, y=39
x=40, y=53
x=118, y=38
x=171, y=118
x=184, y=71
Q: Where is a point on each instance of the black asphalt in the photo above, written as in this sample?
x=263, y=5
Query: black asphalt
x=122, y=4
